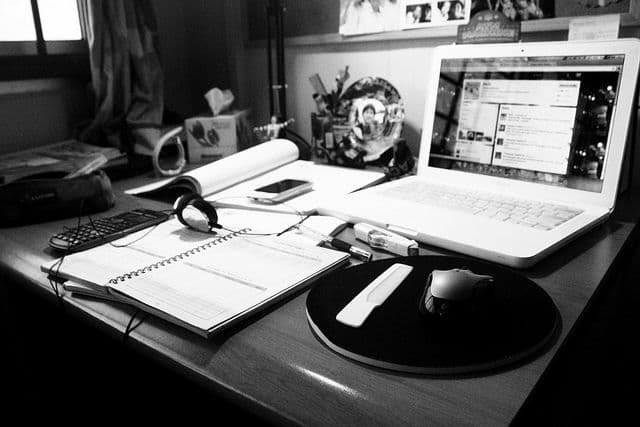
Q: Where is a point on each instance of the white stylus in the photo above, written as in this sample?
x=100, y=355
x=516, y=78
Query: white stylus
x=356, y=312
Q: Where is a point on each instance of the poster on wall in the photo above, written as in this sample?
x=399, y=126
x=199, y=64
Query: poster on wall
x=432, y=13
x=369, y=16
x=376, y=16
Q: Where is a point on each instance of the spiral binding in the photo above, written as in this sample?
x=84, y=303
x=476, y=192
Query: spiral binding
x=175, y=258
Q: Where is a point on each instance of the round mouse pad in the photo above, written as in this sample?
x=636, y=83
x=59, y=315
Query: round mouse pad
x=519, y=319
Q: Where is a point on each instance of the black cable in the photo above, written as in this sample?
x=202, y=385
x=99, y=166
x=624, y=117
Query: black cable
x=302, y=216
x=129, y=243
x=302, y=139
x=294, y=226
x=56, y=266
x=279, y=233
x=54, y=283
x=319, y=151
x=130, y=328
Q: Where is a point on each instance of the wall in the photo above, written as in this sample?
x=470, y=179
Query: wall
x=193, y=52
x=401, y=62
x=39, y=112
x=173, y=58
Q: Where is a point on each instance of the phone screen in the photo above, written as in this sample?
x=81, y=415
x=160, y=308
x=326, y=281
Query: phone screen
x=281, y=186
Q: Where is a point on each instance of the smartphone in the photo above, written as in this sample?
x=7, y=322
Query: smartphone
x=280, y=191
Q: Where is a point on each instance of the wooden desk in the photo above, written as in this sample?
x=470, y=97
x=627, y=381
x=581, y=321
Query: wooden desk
x=272, y=365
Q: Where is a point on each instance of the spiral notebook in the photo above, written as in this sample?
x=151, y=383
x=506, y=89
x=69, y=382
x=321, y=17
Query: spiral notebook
x=200, y=282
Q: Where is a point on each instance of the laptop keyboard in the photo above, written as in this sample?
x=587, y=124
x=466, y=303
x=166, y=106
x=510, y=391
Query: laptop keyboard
x=527, y=213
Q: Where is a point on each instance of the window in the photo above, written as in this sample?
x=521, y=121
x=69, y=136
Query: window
x=42, y=38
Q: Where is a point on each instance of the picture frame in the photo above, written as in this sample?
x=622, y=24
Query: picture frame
x=519, y=10
x=435, y=13
x=593, y=7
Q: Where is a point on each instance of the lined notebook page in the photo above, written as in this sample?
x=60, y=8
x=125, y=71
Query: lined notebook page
x=96, y=266
x=199, y=280
x=227, y=279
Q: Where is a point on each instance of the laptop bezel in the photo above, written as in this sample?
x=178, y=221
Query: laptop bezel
x=618, y=133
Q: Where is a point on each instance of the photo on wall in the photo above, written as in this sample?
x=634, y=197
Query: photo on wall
x=519, y=10
x=592, y=7
x=369, y=16
x=432, y=13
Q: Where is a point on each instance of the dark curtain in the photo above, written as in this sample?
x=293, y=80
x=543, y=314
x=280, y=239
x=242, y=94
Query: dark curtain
x=126, y=75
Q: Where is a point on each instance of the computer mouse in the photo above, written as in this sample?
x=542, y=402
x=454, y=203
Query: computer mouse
x=455, y=294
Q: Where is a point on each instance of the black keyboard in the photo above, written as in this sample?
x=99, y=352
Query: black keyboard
x=103, y=230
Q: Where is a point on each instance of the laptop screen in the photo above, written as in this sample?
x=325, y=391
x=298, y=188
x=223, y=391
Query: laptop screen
x=544, y=119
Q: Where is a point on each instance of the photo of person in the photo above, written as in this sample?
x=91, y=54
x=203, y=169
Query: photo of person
x=370, y=119
x=456, y=10
x=472, y=90
x=517, y=10
x=369, y=16
x=418, y=13
x=436, y=12
x=442, y=12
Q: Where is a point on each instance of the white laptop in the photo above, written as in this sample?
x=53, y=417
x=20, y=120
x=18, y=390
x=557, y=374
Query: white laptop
x=522, y=148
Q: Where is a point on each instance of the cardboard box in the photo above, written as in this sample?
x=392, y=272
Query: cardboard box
x=211, y=138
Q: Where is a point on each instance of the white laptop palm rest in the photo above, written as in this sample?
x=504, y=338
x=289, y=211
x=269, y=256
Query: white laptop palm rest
x=521, y=150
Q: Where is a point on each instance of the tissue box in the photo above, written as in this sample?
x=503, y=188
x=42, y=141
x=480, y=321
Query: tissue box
x=211, y=138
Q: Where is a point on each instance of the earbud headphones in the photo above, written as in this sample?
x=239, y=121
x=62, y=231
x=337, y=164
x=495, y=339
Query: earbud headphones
x=194, y=212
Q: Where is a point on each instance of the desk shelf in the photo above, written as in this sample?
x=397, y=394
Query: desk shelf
x=435, y=34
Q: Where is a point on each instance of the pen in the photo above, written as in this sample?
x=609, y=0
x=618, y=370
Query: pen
x=355, y=251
